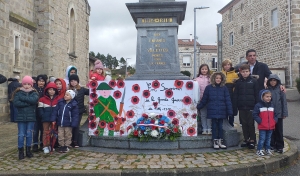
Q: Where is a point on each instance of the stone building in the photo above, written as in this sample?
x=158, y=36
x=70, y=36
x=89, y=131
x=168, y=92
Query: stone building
x=42, y=37
x=206, y=54
x=271, y=27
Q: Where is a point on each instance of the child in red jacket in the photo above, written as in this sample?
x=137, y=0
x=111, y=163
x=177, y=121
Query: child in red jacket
x=266, y=117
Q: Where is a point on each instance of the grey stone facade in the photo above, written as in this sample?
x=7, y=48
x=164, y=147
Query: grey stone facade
x=263, y=26
x=35, y=37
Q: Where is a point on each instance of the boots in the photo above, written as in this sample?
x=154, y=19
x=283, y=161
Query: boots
x=221, y=144
x=21, y=153
x=216, y=145
x=28, y=152
x=35, y=148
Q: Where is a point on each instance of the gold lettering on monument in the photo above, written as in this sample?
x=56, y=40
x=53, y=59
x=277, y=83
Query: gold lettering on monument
x=157, y=51
x=157, y=20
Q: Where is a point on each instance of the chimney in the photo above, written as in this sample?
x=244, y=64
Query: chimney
x=191, y=37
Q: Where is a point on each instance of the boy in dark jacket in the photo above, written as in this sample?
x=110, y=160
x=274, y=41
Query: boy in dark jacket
x=280, y=105
x=264, y=115
x=244, y=99
x=65, y=115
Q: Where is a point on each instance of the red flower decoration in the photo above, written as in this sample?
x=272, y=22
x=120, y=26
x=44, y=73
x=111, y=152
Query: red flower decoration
x=168, y=131
x=154, y=127
x=169, y=93
x=155, y=84
x=93, y=95
x=102, y=124
x=155, y=104
x=135, y=133
x=120, y=84
x=135, y=88
x=171, y=113
x=185, y=115
x=92, y=125
x=123, y=119
x=92, y=118
x=194, y=116
x=135, y=100
x=112, y=83
x=187, y=100
x=128, y=128
x=93, y=90
x=93, y=84
x=191, y=131
x=162, y=122
x=175, y=130
x=178, y=84
x=146, y=93
x=96, y=132
x=91, y=110
x=95, y=101
x=189, y=85
x=175, y=121
x=130, y=114
x=117, y=94
x=152, y=121
x=92, y=104
x=111, y=126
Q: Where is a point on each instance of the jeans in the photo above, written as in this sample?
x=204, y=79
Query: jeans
x=264, y=139
x=206, y=123
x=13, y=112
x=25, y=129
x=217, y=128
x=38, y=132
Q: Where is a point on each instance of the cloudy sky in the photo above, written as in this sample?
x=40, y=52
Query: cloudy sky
x=113, y=31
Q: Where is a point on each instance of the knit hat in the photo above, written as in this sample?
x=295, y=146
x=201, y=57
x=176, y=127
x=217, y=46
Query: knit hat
x=74, y=77
x=27, y=79
x=72, y=93
x=98, y=64
x=42, y=77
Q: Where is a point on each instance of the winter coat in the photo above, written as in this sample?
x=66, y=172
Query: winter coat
x=12, y=86
x=245, y=94
x=25, y=102
x=264, y=114
x=278, y=97
x=80, y=93
x=66, y=114
x=46, y=104
x=2, y=79
x=203, y=81
x=97, y=76
x=39, y=89
x=61, y=93
x=69, y=68
x=217, y=99
x=231, y=77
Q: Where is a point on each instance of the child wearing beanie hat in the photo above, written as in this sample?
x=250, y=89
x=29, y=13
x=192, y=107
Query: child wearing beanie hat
x=98, y=72
x=25, y=99
x=66, y=119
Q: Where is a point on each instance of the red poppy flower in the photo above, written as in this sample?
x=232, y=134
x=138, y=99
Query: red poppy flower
x=95, y=101
x=93, y=95
x=112, y=83
x=155, y=104
x=135, y=100
x=92, y=118
x=121, y=132
x=171, y=113
x=130, y=114
x=93, y=90
x=178, y=84
x=175, y=130
x=120, y=84
x=189, y=85
x=187, y=100
x=194, y=116
x=191, y=131
x=154, y=127
x=146, y=93
x=144, y=115
x=152, y=121
x=111, y=126
x=91, y=111
x=175, y=121
x=92, y=125
x=168, y=131
x=135, y=133
x=155, y=84
x=102, y=124
x=162, y=122
x=185, y=115
x=92, y=104
x=93, y=84
x=135, y=88
x=128, y=128
x=96, y=132
x=123, y=119
x=169, y=93
x=117, y=94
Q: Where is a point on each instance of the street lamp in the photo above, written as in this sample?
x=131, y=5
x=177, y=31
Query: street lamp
x=126, y=68
x=195, y=65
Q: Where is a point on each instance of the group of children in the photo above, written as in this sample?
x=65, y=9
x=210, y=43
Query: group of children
x=224, y=94
x=57, y=105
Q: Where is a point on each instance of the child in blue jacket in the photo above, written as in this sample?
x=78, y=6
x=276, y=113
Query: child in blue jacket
x=65, y=115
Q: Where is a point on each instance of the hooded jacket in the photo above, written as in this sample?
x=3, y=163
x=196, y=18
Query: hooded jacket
x=217, y=99
x=278, y=97
x=231, y=77
x=69, y=68
x=61, y=93
x=264, y=114
x=46, y=104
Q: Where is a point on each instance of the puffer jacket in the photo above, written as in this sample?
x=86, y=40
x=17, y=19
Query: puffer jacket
x=80, y=93
x=264, y=114
x=278, y=97
x=217, y=99
x=203, y=81
x=46, y=104
x=66, y=114
x=231, y=77
x=25, y=102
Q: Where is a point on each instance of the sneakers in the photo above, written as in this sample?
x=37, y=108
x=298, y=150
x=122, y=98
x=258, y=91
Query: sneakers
x=63, y=149
x=251, y=145
x=75, y=144
x=279, y=150
x=260, y=153
x=46, y=150
x=209, y=132
x=35, y=148
x=244, y=144
x=221, y=145
x=216, y=144
x=268, y=152
x=204, y=132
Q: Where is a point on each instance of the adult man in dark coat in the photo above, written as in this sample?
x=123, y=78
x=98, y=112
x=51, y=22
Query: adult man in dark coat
x=12, y=86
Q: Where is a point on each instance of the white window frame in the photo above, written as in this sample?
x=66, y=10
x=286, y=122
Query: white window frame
x=274, y=22
x=186, y=60
x=17, y=46
x=231, y=39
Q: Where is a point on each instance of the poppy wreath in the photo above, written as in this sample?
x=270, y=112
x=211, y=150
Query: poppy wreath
x=155, y=126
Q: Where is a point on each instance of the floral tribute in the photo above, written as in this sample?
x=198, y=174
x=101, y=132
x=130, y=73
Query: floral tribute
x=154, y=126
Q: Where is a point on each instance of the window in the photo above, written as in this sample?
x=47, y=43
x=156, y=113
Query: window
x=242, y=30
x=17, y=39
x=274, y=17
x=230, y=15
x=186, y=61
x=72, y=33
x=231, y=40
x=260, y=21
x=214, y=63
x=251, y=26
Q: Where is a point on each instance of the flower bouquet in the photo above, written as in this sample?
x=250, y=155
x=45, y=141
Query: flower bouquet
x=154, y=126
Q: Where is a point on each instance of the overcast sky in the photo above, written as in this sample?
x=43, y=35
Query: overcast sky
x=113, y=31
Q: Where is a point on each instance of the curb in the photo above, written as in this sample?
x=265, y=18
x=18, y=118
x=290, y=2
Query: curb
x=266, y=166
